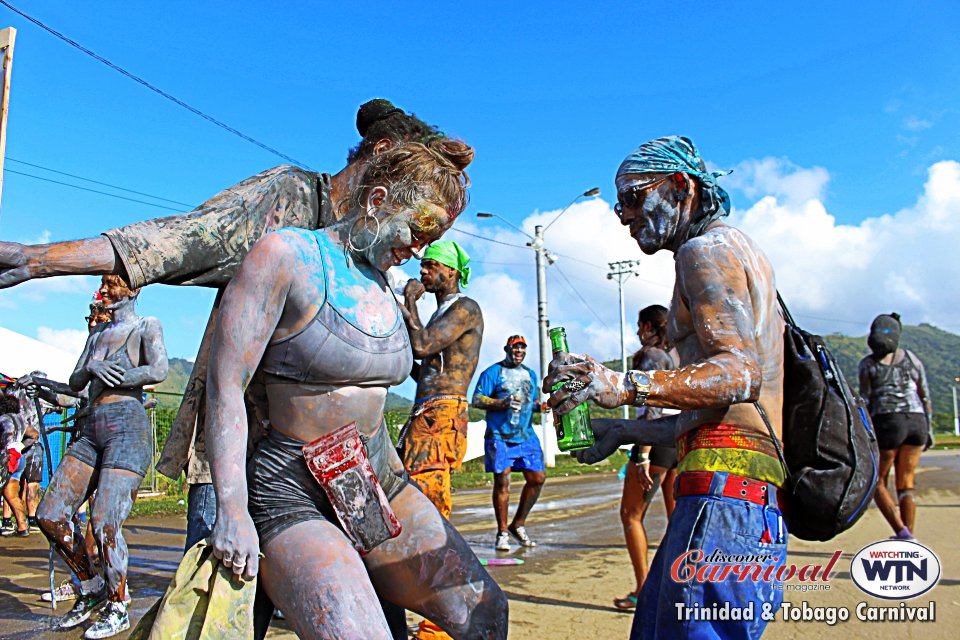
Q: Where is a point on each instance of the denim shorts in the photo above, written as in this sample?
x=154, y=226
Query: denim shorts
x=115, y=436
x=712, y=522
x=498, y=456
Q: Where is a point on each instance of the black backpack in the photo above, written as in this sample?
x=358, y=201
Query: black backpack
x=831, y=453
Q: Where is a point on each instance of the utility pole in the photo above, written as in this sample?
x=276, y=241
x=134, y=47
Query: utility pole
x=621, y=271
x=7, y=37
x=546, y=419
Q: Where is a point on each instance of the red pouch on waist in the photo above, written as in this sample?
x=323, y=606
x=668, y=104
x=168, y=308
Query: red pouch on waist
x=340, y=464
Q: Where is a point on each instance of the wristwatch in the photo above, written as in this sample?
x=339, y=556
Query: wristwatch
x=641, y=383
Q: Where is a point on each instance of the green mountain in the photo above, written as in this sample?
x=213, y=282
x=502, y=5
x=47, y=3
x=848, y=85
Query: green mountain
x=939, y=351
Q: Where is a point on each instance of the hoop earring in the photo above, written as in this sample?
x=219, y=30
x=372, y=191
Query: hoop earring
x=376, y=236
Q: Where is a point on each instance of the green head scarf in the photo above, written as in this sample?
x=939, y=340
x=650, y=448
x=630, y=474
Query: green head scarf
x=452, y=255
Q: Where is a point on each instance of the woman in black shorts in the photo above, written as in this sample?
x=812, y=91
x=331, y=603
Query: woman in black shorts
x=649, y=468
x=894, y=387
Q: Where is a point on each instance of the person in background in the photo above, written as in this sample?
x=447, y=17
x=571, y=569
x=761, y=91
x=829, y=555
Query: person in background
x=649, y=467
x=15, y=436
x=893, y=385
x=434, y=439
x=508, y=392
x=111, y=457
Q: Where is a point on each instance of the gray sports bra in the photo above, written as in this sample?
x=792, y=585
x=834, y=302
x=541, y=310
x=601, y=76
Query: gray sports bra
x=332, y=352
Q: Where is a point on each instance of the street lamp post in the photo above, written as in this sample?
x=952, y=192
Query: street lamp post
x=543, y=257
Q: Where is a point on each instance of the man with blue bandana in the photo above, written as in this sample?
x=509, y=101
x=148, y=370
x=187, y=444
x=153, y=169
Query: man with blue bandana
x=725, y=322
x=434, y=440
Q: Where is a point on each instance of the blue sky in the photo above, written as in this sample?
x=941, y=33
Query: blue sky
x=843, y=105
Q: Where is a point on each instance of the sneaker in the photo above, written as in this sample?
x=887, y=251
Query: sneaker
x=84, y=606
x=503, y=541
x=66, y=591
x=34, y=526
x=15, y=533
x=520, y=533
x=113, y=619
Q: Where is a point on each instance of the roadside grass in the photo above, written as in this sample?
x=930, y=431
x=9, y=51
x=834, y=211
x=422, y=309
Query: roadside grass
x=947, y=441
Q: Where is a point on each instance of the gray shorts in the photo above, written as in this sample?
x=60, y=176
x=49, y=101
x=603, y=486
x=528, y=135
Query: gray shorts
x=115, y=436
x=205, y=246
x=283, y=492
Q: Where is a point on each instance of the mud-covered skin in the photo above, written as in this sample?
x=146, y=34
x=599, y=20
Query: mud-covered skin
x=92, y=256
x=311, y=571
x=449, y=346
x=724, y=322
x=74, y=481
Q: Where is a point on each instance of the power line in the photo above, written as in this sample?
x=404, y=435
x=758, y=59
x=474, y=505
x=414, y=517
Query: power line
x=105, y=184
x=506, y=244
x=103, y=193
x=157, y=90
x=577, y=293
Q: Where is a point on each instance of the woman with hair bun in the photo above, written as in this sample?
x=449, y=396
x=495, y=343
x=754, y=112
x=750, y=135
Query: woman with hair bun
x=325, y=497
x=205, y=247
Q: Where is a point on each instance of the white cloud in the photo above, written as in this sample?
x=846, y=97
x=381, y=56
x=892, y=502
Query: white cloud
x=69, y=340
x=900, y=261
x=914, y=123
x=49, y=289
x=780, y=178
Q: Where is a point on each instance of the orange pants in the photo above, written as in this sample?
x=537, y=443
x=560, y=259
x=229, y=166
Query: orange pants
x=435, y=443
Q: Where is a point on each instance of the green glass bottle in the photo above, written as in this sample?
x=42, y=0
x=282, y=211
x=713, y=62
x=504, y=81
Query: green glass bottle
x=573, y=429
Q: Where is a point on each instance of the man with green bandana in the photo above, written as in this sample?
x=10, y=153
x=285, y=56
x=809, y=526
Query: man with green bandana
x=434, y=440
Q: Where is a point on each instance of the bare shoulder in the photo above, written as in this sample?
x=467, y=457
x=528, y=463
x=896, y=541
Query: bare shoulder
x=150, y=323
x=468, y=306
x=720, y=242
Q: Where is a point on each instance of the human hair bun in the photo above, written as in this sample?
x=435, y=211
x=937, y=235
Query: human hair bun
x=457, y=152
x=374, y=111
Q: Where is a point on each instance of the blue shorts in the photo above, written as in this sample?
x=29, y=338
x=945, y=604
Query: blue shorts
x=498, y=456
x=712, y=522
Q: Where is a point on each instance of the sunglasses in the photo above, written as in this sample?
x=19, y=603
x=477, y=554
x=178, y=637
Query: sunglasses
x=630, y=197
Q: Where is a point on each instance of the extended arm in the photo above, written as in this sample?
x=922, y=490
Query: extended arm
x=713, y=283
x=92, y=256
x=249, y=312
x=612, y=433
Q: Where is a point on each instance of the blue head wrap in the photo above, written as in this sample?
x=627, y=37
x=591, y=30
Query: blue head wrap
x=674, y=154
